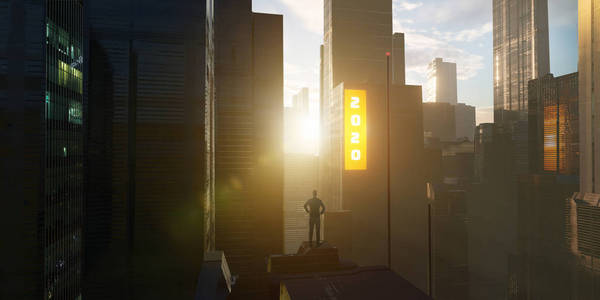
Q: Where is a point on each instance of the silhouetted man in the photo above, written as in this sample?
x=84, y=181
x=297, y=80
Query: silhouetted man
x=317, y=208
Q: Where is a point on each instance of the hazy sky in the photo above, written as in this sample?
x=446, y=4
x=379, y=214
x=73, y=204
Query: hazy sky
x=456, y=30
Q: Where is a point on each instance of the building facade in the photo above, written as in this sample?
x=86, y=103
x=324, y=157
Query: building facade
x=439, y=121
x=554, y=125
x=521, y=53
x=441, y=82
x=249, y=142
x=42, y=106
x=465, y=116
x=151, y=148
x=398, y=59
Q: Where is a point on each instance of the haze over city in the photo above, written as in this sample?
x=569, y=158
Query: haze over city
x=299, y=149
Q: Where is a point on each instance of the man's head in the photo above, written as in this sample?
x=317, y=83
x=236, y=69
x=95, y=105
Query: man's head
x=314, y=193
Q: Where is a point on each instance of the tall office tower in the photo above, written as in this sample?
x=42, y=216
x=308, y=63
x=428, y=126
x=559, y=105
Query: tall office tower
x=441, y=82
x=249, y=142
x=357, y=35
x=589, y=110
x=42, y=130
x=585, y=209
x=151, y=90
x=521, y=53
x=301, y=101
x=554, y=125
x=398, y=59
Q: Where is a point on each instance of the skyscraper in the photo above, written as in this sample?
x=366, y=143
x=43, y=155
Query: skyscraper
x=301, y=101
x=521, y=53
x=589, y=110
x=249, y=142
x=152, y=95
x=585, y=209
x=441, y=82
x=398, y=59
x=43, y=128
x=357, y=34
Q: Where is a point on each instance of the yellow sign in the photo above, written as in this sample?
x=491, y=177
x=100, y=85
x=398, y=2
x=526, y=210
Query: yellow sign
x=355, y=132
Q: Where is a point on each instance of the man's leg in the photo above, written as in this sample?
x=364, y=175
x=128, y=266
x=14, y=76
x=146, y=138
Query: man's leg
x=310, y=230
x=318, y=225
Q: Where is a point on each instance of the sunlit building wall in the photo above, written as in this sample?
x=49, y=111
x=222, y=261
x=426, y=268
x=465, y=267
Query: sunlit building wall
x=521, y=53
x=42, y=106
x=554, y=125
x=441, y=82
x=300, y=179
x=585, y=210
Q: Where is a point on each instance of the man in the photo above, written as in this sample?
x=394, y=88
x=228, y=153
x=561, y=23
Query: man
x=317, y=208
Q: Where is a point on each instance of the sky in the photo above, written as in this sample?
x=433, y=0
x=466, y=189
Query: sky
x=457, y=30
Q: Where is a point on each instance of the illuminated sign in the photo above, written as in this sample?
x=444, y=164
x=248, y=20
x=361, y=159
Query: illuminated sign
x=355, y=129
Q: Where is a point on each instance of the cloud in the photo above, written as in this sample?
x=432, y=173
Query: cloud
x=406, y=6
x=466, y=35
x=310, y=12
x=422, y=49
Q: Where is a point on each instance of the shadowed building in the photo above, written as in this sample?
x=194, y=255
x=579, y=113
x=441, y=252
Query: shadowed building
x=439, y=121
x=465, y=121
x=521, y=53
x=150, y=157
x=249, y=142
x=362, y=192
x=42, y=126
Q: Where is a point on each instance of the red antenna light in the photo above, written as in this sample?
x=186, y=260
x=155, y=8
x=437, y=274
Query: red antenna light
x=387, y=54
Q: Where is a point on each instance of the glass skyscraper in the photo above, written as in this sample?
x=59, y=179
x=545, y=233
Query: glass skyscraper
x=42, y=101
x=521, y=53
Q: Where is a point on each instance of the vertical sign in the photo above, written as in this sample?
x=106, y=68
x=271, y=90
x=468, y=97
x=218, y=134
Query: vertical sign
x=355, y=129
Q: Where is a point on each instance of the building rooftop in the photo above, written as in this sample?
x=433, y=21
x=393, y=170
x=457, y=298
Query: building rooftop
x=360, y=283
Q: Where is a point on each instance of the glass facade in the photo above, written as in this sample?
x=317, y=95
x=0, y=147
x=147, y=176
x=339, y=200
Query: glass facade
x=554, y=125
x=64, y=134
x=521, y=52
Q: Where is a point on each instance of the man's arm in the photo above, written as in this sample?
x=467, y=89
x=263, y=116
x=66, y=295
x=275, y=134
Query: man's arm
x=305, y=206
x=322, y=207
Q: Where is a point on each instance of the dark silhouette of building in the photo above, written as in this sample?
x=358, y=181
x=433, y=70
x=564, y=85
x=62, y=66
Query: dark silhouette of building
x=439, y=121
x=450, y=253
x=554, y=125
x=42, y=125
x=541, y=269
x=398, y=59
x=350, y=188
x=249, y=142
x=150, y=148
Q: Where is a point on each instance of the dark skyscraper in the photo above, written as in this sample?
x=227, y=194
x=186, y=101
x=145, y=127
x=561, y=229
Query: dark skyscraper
x=42, y=121
x=521, y=53
x=150, y=148
x=249, y=142
x=398, y=59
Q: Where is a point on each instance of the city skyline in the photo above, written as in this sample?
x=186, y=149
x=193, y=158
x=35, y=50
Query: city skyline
x=460, y=33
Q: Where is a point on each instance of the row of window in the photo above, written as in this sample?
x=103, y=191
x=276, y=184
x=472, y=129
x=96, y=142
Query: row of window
x=62, y=41
x=59, y=107
x=65, y=75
